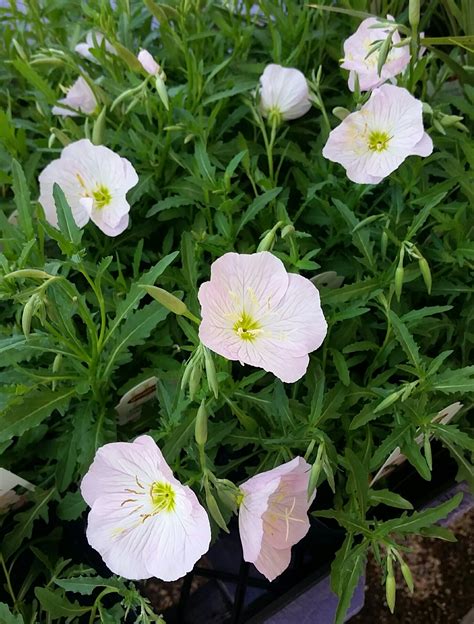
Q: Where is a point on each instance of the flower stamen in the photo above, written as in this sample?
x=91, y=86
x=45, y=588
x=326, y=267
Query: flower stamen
x=378, y=141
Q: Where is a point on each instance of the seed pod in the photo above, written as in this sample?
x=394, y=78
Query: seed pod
x=211, y=372
x=200, y=427
x=426, y=273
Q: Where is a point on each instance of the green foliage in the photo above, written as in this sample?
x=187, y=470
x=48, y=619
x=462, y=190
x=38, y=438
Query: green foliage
x=393, y=262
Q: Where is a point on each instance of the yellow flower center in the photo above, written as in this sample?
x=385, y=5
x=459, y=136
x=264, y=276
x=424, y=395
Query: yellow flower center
x=102, y=196
x=163, y=496
x=246, y=327
x=378, y=141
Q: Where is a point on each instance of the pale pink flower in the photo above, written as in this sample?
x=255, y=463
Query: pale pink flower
x=95, y=181
x=80, y=97
x=374, y=141
x=94, y=40
x=284, y=93
x=143, y=522
x=273, y=515
x=148, y=63
x=255, y=312
x=358, y=46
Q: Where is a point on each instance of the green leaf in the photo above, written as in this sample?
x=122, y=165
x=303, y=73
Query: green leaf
x=136, y=293
x=57, y=606
x=32, y=76
x=257, y=205
x=35, y=408
x=7, y=617
x=22, y=201
x=66, y=222
x=385, y=497
x=453, y=381
x=341, y=366
x=85, y=585
x=72, y=506
x=405, y=339
x=25, y=521
x=360, y=478
x=134, y=331
x=419, y=519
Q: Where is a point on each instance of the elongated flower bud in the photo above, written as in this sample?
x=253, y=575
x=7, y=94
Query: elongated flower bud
x=407, y=576
x=426, y=273
x=28, y=312
x=200, y=428
x=399, y=273
x=214, y=511
x=390, y=585
x=414, y=13
x=167, y=300
x=211, y=372
x=98, y=131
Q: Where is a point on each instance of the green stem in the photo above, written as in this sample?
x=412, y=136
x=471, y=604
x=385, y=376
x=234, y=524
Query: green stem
x=7, y=578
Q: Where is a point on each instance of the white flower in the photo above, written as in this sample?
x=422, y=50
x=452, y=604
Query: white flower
x=284, y=93
x=95, y=181
x=148, y=63
x=374, y=141
x=358, y=60
x=143, y=521
x=93, y=40
x=80, y=97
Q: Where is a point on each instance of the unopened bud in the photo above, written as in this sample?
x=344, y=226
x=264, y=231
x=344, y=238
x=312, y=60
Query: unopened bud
x=399, y=273
x=211, y=372
x=390, y=585
x=383, y=244
x=56, y=366
x=266, y=244
x=167, y=300
x=407, y=576
x=287, y=230
x=414, y=13
x=28, y=313
x=315, y=472
x=98, y=131
x=200, y=427
x=214, y=511
x=426, y=273
x=194, y=380
x=340, y=112
x=161, y=90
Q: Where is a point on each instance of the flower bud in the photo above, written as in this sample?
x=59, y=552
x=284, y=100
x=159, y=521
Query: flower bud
x=399, y=272
x=384, y=244
x=426, y=273
x=200, y=427
x=28, y=312
x=287, y=230
x=98, y=130
x=284, y=93
x=148, y=63
x=407, y=576
x=390, y=585
x=162, y=92
x=414, y=13
x=56, y=366
x=340, y=112
x=194, y=380
x=167, y=300
x=214, y=511
x=315, y=472
x=211, y=372
x=266, y=244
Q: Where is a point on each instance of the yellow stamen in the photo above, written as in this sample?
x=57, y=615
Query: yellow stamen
x=246, y=327
x=378, y=141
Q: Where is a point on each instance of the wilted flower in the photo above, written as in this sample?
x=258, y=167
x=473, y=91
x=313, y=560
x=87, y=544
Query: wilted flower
x=80, y=97
x=358, y=60
x=284, y=93
x=95, y=181
x=148, y=63
x=142, y=521
x=273, y=515
x=373, y=142
x=93, y=40
x=255, y=312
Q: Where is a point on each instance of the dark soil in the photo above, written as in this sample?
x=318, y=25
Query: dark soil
x=444, y=582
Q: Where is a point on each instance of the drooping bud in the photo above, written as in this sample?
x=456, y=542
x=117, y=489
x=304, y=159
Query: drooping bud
x=340, y=113
x=426, y=273
x=98, y=131
x=214, y=511
x=211, y=372
x=167, y=300
x=29, y=310
x=390, y=585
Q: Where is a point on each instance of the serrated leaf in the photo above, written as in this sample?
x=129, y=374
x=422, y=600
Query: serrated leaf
x=420, y=519
x=72, y=506
x=7, y=617
x=405, y=339
x=35, y=407
x=452, y=381
x=85, y=585
x=66, y=222
x=22, y=200
x=57, y=606
x=25, y=520
x=135, y=331
x=136, y=293
x=259, y=204
x=385, y=497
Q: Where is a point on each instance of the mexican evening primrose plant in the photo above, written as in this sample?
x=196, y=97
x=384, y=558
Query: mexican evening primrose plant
x=180, y=240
